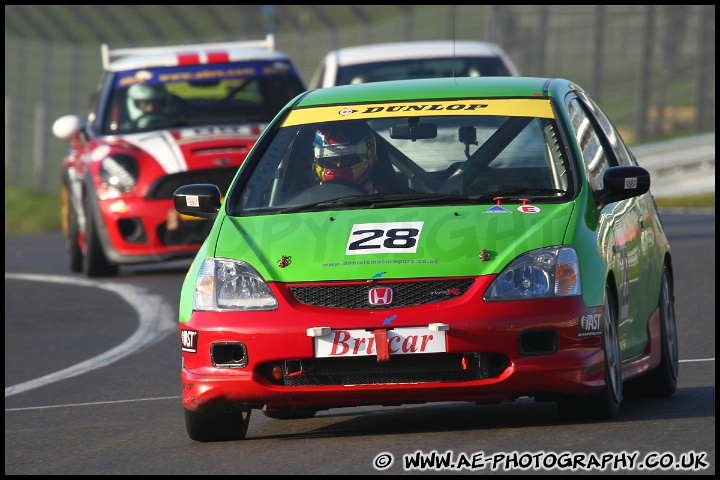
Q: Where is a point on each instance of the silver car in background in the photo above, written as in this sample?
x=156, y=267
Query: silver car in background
x=408, y=60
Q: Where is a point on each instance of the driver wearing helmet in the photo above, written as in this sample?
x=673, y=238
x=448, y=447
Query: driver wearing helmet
x=345, y=151
x=147, y=104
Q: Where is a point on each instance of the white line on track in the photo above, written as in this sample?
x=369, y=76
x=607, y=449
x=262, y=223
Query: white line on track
x=154, y=316
x=155, y=322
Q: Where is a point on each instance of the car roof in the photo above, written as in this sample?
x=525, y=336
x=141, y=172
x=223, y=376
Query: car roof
x=437, y=88
x=380, y=52
x=121, y=59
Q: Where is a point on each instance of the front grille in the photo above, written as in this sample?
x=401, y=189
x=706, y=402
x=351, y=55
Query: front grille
x=366, y=370
x=405, y=294
x=164, y=187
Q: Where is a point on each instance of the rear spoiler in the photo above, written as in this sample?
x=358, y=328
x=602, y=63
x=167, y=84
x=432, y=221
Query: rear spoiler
x=115, y=53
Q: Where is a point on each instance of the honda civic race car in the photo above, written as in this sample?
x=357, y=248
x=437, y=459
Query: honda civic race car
x=458, y=239
x=162, y=117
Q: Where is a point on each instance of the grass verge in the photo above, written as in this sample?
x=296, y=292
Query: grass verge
x=29, y=212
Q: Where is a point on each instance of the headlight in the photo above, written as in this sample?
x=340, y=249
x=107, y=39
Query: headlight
x=230, y=285
x=544, y=273
x=119, y=172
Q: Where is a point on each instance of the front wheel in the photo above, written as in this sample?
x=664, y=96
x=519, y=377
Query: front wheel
x=96, y=263
x=606, y=404
x=71, y=230
x=218, y=424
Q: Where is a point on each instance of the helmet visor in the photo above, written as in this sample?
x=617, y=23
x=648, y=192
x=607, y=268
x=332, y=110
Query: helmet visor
x=339, y=161
x=339, y=155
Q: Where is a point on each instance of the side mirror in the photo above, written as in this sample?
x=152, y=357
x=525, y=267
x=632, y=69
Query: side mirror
x=67, y=127
x=198, y=200
x=620, y=183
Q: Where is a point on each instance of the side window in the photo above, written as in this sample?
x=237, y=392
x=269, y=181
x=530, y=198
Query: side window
x=591, y=147
x=616, y=143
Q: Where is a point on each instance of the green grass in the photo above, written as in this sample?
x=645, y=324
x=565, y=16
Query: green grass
x=704, y=200
x=29, y=212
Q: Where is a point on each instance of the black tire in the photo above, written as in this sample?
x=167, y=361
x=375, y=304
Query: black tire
x=217, y=424
x=606, y=404
x=662, y=380
x=95, y=263
x=71, y=230
x=290, y=413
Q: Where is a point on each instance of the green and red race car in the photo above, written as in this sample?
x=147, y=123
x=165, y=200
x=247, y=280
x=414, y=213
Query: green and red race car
x=457, y=239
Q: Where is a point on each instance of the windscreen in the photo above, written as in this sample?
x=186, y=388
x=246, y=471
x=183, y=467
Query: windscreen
x=422, y=68
x=197, y=95
x=454, y=157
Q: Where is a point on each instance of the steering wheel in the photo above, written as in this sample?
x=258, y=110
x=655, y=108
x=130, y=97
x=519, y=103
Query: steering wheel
x=327, y=191
x=150, y=120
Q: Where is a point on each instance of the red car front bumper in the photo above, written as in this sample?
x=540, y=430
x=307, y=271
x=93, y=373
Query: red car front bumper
x=136, y=230
x=529, y=348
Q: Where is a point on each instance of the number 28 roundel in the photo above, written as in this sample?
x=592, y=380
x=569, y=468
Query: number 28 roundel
x=394, y=237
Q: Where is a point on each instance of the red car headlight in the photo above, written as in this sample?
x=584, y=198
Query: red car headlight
x=119, y=172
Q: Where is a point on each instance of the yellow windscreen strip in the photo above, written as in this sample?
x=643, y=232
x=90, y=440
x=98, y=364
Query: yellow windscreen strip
x=505, y=107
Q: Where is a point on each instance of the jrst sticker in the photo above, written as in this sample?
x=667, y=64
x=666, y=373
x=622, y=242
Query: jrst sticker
x=188, y=340
x=590, y=325
x=392, y=237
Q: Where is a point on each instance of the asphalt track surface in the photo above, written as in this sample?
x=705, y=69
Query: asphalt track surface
x=92, y=387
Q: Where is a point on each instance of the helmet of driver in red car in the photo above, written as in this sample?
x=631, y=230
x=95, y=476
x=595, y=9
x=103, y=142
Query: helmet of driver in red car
x=146, y=100
x=344, y=150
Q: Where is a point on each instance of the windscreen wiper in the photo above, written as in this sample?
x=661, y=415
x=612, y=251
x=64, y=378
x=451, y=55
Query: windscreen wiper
x=380, y=200
x=515, y=193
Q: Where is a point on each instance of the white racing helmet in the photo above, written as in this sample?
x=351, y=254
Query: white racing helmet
x=344, y=150
x=152, y=93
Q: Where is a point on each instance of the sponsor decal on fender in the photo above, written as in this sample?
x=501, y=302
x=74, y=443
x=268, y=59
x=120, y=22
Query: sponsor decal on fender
x=188, y=340
x=590, y=325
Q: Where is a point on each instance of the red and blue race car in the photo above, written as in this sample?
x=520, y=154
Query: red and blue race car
x=163, y=117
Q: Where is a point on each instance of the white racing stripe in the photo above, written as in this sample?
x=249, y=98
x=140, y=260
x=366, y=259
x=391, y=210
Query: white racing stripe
x=163, y=147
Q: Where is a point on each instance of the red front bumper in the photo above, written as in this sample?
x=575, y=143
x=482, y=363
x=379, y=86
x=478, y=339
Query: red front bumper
x=573, y=365
x=138, y=230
